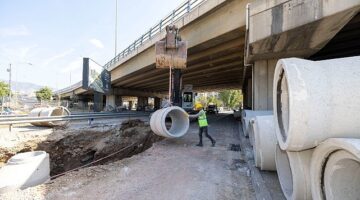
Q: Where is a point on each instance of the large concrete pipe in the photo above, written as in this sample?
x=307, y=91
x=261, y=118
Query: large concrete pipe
x=248, y=114
x=264, y=142
x=335, y=169
x=25, y=170
x=314, y=101
x=49, y=112
x=179, y=122
x=293, y=169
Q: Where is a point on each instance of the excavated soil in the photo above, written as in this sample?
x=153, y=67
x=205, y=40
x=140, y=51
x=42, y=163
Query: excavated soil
x=72, y=148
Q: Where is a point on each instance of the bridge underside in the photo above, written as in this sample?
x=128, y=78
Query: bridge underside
x=214, y=65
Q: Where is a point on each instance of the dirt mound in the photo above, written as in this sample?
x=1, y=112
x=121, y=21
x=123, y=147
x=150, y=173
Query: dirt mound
x=69, y=149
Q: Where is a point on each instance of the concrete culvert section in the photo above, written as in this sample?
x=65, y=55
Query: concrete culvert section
x=264, y=142
x=247, y=115
x=293, y=169
x=314, y=101
x=335, y=169
x=25, y=170
x=179, y=122
x=50, y=112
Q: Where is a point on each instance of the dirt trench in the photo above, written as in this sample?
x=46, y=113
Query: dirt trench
x=70, y=149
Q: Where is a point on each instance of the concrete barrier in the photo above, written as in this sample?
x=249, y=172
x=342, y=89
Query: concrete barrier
x=264, y=142
x=25, y=170
x=179, y=122
x=314, y=101
x=335, y=169
x=293, y=169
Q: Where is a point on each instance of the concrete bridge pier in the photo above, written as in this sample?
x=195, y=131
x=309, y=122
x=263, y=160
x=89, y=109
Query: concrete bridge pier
x=262, y=84
x=142, y=102
x=98, y=101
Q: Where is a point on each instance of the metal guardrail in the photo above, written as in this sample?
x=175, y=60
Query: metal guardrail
x=176, y=14
x=22, y=120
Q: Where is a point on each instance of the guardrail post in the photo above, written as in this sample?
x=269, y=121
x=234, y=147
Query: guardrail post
x=150, y=33
x=160, y=24
x=188, y=6
x=173, y=17
x=10, y=127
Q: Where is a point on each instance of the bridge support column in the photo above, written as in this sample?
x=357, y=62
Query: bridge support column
x=98, y=102
x=157, y=103
x=247, y=91
x=263, y=77
x=110, y=100
x=118, y=100
x=142, y=102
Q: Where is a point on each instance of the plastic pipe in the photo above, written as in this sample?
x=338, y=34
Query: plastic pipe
x=335, y=169
x=264, y=142
x=314, y=101
x=293, y=169
x=25, y=170
x=179, y=122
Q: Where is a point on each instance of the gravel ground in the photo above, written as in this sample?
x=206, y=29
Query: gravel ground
x=171, y=169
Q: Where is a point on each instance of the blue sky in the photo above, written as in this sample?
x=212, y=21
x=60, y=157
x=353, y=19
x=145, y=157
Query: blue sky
x=54, y=35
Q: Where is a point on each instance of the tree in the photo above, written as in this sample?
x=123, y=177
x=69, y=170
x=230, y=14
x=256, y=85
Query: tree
x=4, y=91
x=44, y=94
x=231, y=98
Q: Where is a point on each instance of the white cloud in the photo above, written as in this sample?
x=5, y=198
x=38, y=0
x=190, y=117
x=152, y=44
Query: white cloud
x=58, y=56
x=97, y=43
x=14, y=31
x=72, y=66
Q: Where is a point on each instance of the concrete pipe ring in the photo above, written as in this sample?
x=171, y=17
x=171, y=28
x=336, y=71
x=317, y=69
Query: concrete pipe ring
x=35, y=113
x=335, y=169
x=293, y=169
x=265, y=142
x=179, y=122
x=251, y=132
x=248, y=115
x=306, y=96
x=25, y=170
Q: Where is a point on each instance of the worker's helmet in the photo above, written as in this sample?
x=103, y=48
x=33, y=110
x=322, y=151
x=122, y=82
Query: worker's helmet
x=198, y=106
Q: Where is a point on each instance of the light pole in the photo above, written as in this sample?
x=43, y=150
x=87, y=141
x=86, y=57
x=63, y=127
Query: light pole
x=10, y=71
x=116, y=11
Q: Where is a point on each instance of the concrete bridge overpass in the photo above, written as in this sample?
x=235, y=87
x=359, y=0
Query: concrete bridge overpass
x=223, y=34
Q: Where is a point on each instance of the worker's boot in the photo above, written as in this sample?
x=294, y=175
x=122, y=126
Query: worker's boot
x=200, y=144
x=213, y=143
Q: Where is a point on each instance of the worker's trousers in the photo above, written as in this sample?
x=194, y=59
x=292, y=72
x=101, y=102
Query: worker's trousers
x=205, y=129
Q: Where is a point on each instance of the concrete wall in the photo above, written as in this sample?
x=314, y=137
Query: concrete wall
x=263, y=77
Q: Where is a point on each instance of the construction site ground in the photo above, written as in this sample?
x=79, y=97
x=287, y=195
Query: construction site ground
x=170, y=169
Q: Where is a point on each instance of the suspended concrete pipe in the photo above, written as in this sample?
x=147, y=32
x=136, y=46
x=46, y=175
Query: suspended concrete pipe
x=50, y=112
x=264, y=142
x=247, y=115
x=179, y=122
x=293, y=169
x=314, y=101
x=335, y=169
x=25, y=170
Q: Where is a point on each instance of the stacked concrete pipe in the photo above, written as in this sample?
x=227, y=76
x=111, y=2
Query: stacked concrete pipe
x=179, y=122
x=49, y=112
x=247, y=115
x=264, y=142
x=335, y=169
x=315, y=101
x=25, y=170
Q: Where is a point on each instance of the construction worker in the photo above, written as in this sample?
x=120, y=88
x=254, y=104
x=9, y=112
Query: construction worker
x=203, y=125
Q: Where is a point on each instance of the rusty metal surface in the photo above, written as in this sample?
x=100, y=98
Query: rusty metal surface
x=171, y=52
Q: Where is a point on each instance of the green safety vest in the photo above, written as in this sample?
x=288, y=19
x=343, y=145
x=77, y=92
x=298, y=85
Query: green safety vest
x=202, y=119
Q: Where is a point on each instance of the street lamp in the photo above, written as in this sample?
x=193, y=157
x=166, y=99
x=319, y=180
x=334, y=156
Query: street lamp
x=10, y=70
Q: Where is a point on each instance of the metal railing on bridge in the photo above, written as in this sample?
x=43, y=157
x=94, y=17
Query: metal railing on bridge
x=176, y=14
x=169, y=19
